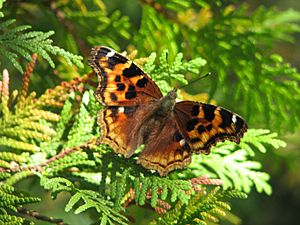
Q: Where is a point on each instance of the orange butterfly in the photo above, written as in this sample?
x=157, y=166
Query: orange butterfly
x=137, y=113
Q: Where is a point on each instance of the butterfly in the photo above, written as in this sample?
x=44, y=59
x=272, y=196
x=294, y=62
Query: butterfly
x=137, y=113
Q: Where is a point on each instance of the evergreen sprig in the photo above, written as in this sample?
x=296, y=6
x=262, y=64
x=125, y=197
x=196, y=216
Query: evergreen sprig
x=234, y=45
x=20, y=42
x=73, y=155
x=203, y=208
x=166, y=71
x=93, y=24
x=1, y=5
x=232, y=163
x=90, y=199
x=24, y=121
x=10, y=201
x=146, y=188
x=53, y=136
x=153, y=27
x=28, y=127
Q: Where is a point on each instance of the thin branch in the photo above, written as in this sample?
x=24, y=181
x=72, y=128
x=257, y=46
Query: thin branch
x=38, y=216
x=204, y=180
x=15, y=167
x=5, y=94
x=63, y=153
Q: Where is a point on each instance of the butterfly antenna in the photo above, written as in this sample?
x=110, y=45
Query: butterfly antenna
x=167, y=60
x=193, y=81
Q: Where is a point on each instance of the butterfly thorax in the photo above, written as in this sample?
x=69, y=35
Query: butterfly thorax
x=159, y=113
x=166, y=104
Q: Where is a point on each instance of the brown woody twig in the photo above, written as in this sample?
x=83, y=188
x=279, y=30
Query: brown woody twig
x=15, y=167
x=37, y=215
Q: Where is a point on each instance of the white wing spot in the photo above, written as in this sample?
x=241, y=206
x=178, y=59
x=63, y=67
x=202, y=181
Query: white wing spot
x=110, y=54
x=182, y=142
x=234, y=118
x=121, y=109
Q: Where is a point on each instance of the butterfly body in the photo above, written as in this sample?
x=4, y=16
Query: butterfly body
x=137, y=113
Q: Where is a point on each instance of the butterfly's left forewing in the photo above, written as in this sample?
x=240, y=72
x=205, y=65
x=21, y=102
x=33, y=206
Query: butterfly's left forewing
x=204, y=125
x=121, y=82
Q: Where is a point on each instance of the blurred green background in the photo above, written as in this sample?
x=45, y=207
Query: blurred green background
x=283, y=206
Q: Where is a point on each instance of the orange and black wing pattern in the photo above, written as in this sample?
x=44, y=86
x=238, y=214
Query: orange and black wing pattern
x=203, y=125
x=121, y=82
x=136, y=113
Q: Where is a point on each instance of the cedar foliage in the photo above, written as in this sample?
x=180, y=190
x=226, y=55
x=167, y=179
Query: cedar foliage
x=52, y=136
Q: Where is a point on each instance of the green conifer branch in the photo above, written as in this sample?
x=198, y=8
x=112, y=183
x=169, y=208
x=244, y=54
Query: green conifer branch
x=1, y=5
x=86, y=19
x=203, y=207
x=15, y=178
x=10, y=201
x=255, y=74
x=233, y=165
x=9, y=156
x=90, y=199
x=161, y=194
x=19, y=41
x=67, y=145
x=19, y=126
x=166, y=72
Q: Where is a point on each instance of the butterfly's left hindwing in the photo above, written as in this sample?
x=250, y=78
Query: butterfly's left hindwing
x=121, y=127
